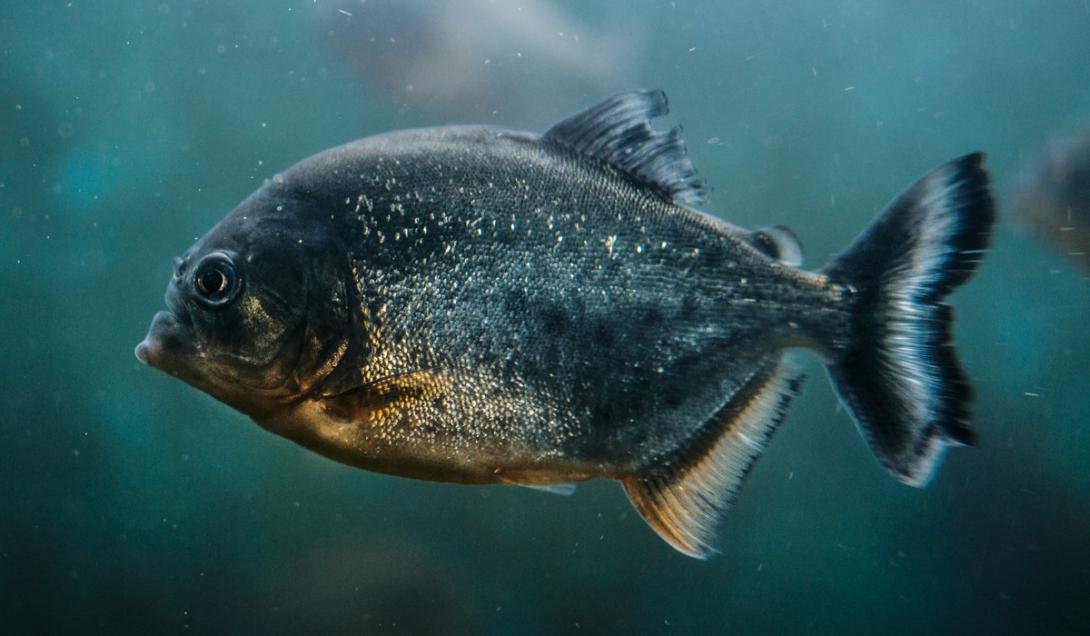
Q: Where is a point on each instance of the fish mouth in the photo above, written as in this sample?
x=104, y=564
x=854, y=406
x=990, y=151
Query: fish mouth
x=167, y=345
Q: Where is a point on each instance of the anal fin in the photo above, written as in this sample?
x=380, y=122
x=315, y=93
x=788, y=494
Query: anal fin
x=684, y=495
x=564, y=490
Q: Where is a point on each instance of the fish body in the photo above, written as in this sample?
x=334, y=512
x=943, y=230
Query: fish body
x=1053, y=199
x=541, y=331
x=478, y=305
x=428, y=53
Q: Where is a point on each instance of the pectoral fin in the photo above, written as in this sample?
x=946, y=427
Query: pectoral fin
x=386, y=398
x=683, y=496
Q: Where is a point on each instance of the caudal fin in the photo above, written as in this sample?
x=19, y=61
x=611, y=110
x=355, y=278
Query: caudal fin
x=900, y=377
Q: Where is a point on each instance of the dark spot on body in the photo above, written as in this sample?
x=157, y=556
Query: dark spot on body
x=602, y=416
x=712, y=256
x=514, y=301
x=554, y=320
x=689, y=306
x=675, y=387
x=673, y=395
x=651, y=316
x=603, y=334
x=398, y=335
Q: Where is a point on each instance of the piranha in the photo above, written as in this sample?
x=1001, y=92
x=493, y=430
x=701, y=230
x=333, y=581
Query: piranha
x=486, y=306
x=1053, y=197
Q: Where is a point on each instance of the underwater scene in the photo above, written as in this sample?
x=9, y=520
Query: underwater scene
x=545, y=317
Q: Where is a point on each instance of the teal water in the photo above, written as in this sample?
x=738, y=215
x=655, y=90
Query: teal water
x=130, y=502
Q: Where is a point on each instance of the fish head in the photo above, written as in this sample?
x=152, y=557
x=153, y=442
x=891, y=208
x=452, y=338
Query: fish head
x=254, y=310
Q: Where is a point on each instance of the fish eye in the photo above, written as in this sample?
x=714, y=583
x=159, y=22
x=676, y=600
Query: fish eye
x=215, y=280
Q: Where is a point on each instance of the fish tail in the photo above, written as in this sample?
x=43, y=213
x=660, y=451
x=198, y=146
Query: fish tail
x=899, y=375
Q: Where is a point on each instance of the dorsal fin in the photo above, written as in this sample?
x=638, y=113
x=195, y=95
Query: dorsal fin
x=619, y=132
x=777, y=242
x=683, y=496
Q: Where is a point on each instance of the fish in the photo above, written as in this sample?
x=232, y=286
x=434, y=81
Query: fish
x=480, y=305
x=1053, y=196
x=457, y=55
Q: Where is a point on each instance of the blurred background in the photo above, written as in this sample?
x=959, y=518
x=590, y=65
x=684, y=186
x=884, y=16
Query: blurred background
x=132, y=502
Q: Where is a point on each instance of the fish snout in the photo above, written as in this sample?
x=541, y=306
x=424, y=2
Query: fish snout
x=167, y=343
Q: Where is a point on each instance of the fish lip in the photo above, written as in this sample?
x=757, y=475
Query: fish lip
x=167, y=344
